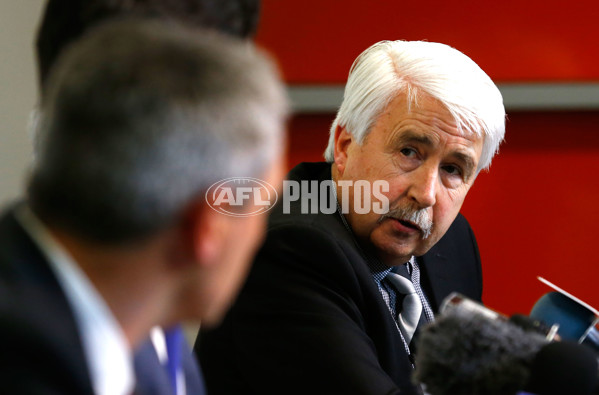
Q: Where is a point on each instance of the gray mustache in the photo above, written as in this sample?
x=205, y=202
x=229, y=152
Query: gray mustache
x=420, y=217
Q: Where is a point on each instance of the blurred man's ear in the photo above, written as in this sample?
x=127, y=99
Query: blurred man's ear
x=207, y=232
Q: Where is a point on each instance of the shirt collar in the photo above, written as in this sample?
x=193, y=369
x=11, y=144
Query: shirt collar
x=106, y=348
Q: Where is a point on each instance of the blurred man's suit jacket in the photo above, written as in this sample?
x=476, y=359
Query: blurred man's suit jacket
x=41, y=350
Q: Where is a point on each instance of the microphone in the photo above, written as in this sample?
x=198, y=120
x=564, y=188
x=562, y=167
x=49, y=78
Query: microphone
x=470, y=349
x=456, y=302
x=563, y=368
x=575, y=318
x=532, y=325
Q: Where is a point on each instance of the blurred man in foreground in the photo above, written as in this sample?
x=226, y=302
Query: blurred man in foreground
x=115, y=234
x=65, y=21
x=364, y=248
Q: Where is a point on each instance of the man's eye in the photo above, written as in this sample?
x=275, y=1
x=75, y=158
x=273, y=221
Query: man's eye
x=408, y=152
x=452, y=170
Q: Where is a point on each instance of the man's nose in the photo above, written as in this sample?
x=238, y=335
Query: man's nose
x=424, y=185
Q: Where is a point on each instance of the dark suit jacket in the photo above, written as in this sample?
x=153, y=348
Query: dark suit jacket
x=40, y=347
x=310, y=319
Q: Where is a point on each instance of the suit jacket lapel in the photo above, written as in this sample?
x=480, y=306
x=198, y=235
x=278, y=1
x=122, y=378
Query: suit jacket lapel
x=452, y=265
x=435, y=278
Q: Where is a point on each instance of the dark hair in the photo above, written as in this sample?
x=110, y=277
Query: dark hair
x=64, y=21
x=140, y=117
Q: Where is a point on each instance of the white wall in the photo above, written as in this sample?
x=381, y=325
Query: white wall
x=18, y=91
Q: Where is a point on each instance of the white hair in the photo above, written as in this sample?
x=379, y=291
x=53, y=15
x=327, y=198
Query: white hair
x=389, y=68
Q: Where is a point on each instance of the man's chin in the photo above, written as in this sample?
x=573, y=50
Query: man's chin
x=393, y=255
x=424, y=246
x=393, y=250
x=213, y=319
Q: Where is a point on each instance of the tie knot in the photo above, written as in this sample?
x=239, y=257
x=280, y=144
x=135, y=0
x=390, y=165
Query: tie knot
x=402, y=284
x=410, y=308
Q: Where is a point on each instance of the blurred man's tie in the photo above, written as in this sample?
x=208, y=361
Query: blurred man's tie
x=174, y=346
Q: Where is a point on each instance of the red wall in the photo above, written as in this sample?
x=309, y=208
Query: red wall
x=316, y=41
x=535, y=213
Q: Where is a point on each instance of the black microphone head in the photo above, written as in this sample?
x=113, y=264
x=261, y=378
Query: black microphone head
x=563, y=368
x=472, y=354
x=530, y=324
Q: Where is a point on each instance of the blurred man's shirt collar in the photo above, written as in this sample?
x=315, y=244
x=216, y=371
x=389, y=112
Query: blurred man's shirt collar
x=106, y=348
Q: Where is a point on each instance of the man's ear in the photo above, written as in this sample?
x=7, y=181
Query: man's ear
x=343, y=141
x=207, y=230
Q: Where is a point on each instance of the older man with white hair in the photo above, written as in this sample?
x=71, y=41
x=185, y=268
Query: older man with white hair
x=335, y=299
